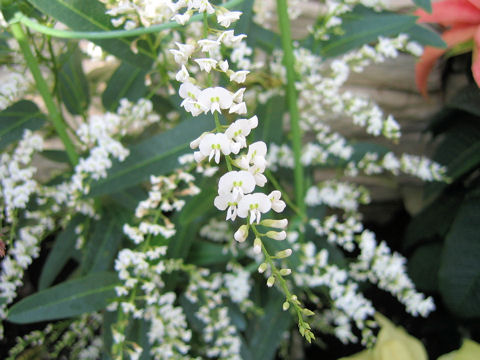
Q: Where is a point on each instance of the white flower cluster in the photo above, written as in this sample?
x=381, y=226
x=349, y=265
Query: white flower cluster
x=235, y=188
x=237, y=283
x=418, y=166
x=376, y=263
x=348, y=303
x=142, y=270
x=337, y=194
x=220, y=335
x=134, y=13
x=101, y=136
x=13, y=86
x=16, y=174
x=25, y=248
x=380, y=266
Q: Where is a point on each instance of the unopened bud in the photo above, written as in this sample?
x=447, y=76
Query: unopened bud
x=262, y=268
x=271, y=281
x=277, y=235
x=241, y=234
x=307, y=312
x=285, y=272
x=286, y=305
x=284, y=253
x=257, y=245
x=278, y=224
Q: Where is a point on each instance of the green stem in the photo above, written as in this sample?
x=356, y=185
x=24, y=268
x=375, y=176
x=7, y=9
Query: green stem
x=112, y=34
x=42, y=87
x=219, y=129
x=289, y=62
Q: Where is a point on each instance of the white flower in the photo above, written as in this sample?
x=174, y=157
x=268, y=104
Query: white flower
x=254, y=205
x=239, y=130
x=225, y=201
x=229, y=39
x=238, y=183
x=206, y=64
x=215, y=99
x=241, y=234
x=209, y=45
x=182, y=18
x=212, y=145
x=226, y=18
x=239, y=76
x=277, y=204
x=182, y=75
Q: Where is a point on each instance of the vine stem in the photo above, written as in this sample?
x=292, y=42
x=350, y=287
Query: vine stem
x=289, y=62
x=55, y=116
x=112, y=34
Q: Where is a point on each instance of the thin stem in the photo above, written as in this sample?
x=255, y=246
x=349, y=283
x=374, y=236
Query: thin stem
x=289, y=62
x=42, y=87
x=219, y=129
x=285, y=196
x=111, y=34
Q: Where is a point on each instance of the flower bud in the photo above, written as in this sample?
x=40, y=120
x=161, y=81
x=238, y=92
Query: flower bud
x=257, y=245
x=262, y=268
x=284, y=253
x=307, y=312
x=241, y=234
x=277, y=235
x=285, y=272
x=286, y=305
x=271, y=281
x=278, y=224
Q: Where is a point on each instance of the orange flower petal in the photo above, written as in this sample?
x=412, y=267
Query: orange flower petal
x=476, y=57
x=451, y=12
x=430, y=55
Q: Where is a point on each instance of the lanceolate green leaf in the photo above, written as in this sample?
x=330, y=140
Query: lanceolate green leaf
x=364, y=26
x=62, y=250
x=128, y=82
x=72, y=84
x=89, y=15
x=424, y=4
x=18, y=117
x=459, y=276
x=103, y=243
x=265, y=333
x=154, y=156
x=71, y=298
x=270, y=119
x=425, y=36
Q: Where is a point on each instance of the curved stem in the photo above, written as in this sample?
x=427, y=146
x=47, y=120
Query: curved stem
x=289, y=62
x=42, y=87
x=92, y=35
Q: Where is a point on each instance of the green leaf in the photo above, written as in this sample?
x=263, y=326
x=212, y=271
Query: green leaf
x=71, y=298
x=128, y=82
x=425, y=36
x=204, y=253
x=263, y=38
x=155, y=156
x=72, y=83
x=265, y=334
x=56, y=155
x=103, y=243
x=90, y=15
x=424, y=4
x=242, y=26
x=62, y=251
x=459, y=276
x=364, y=26
x=434, y=220
x=423, y=266
x=15, y=119
x=467, y=99
x=270, y=119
